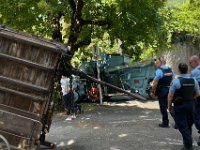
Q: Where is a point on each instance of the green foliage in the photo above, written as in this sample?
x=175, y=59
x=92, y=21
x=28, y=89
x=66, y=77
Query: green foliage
x=183, y=19
x=148, y=53
x=132, y=21
x=30, y=16
x=104, y=45
x=137, y=21
x=57, y=97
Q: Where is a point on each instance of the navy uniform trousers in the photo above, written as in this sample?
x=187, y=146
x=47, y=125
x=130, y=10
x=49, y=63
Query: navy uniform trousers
x=197, y=115
x=184, y=118
x=162, y=97
x=70, y=104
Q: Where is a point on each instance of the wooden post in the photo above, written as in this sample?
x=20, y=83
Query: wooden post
x=97, y=55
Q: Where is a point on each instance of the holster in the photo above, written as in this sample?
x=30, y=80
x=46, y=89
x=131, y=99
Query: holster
x=198, y=98
x=178, y=100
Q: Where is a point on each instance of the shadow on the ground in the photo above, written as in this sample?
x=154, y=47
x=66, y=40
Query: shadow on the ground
x=71, y=147
x=117, y=98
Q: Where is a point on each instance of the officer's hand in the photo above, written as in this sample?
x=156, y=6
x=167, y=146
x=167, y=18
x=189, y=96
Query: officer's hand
x=153, y=95
x=170, y=108
x=198, y=98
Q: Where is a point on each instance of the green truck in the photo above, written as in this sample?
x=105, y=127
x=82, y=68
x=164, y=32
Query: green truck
x=118, y=70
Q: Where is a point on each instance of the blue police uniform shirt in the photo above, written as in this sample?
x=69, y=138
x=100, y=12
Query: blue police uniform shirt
x=177, y=85
x=196, y=73
x=159, y=73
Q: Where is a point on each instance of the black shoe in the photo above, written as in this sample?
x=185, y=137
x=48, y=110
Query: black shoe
x=162, y=125
x=187, y=148
x=175, y=126
x=198, y=143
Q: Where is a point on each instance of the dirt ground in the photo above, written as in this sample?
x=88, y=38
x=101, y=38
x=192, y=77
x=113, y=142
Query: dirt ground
x=116, y=126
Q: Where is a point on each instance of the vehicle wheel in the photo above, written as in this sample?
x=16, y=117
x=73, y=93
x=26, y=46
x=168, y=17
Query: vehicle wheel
x=106, y=98
x=4, y=145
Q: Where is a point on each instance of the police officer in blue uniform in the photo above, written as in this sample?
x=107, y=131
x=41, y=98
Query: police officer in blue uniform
x=160, y=88
x=195, y=65
x=181, y=93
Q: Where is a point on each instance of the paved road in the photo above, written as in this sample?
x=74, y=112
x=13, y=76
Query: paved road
x=131, y=125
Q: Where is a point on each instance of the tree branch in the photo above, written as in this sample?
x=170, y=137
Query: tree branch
x=73, y=6
x=85, y=41
x=79, y=9
x=57, y=35
x=77, y=23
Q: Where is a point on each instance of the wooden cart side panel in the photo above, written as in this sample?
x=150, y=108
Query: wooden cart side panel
x=29, y=39
x=26, y=73
x=20, y=112
x=22, y=103
x=28, y=52
x=19, y=142
x=28, y=68
x=20, y=125
x=32, y=94
x=35, y=83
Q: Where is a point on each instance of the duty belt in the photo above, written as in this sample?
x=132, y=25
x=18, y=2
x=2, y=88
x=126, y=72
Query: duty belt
x=181, y=102
x=163, y=86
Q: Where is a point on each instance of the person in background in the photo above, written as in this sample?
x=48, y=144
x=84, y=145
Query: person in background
x=70, y=96
x=194, y=62
x=160, y=88
x=182, y=93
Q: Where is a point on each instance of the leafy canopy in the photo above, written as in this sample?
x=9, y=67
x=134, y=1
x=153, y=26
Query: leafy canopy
x=183, y=18
x=78, y=22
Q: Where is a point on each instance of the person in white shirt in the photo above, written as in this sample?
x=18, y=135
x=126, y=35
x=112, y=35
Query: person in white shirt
x=70, y=96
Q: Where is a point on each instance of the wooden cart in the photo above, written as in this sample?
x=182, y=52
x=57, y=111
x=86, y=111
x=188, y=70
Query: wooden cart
x=28, y=67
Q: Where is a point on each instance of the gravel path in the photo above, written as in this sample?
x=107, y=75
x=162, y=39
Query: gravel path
x=130, y=125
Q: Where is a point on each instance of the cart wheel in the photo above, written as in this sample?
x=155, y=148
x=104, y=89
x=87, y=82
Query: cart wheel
x=4, y=145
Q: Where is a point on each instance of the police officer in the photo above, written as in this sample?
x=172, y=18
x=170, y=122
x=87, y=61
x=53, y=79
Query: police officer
x=181, y=93
x=160, y=88
x=195, y=65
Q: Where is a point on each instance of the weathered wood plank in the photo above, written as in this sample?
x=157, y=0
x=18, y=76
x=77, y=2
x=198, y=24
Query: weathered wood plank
x=35, y=98
x=29, y=53
x=27, y=73
x=22, y=103
x=18, y=142
x=20, y=125
x=21, y=112
x=23, y=84
x=29, y=40
x=21, y=61
x=24, y=73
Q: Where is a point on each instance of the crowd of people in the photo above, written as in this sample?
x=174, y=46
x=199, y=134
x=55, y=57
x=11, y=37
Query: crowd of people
x=179, y=95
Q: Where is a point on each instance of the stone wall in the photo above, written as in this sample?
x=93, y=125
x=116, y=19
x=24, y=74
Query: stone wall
x=180, y=52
